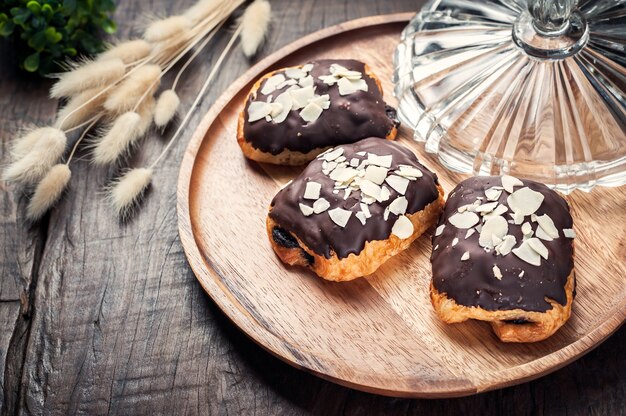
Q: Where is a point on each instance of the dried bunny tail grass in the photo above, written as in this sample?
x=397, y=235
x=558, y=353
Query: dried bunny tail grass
x=128, y=52
x=89, y=75
x=34, y=165
x=124, y=131
x=146, y=112
x=127, y=94
x=127, y=190
x=166, y=108
x=255, y=22
x=48, y=191
x=81, y=108
x=167, y=28
x=201, y=10
x=23, y=145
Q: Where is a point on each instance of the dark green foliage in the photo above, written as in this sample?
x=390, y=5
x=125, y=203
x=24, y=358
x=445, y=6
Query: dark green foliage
x=45, y=32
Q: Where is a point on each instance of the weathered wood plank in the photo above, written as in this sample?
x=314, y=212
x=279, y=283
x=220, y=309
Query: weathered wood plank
x=23, y=101
x=120, y=324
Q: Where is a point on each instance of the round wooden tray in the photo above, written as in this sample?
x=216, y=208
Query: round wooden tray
x=379, y=333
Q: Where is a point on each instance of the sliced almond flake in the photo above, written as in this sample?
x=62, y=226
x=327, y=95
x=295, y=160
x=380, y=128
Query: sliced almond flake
x=533, y=217
x=342, y=71
x=469, y=233
x=370, y=188
x=346, y=193
x=307, y=67
x=321, y=100
x=285, y=101
x=340, y=159
x=439, y=229
x=538, y=246
x=521, y=274
x=527, y=229
x=399, y=205
x=547, y=225
x=332, y=154
x=296, y=73
x=479, y=228
x=363, y=164
x=518, y=217
x=569, y=233
x=340, y=216
x=301, y=96
x=467, y=207
x=331, y=165
x=343, y=175
x=366, y=210
x=384, y=194
x=455, y=241
x=320, y=206
x=349, y=86
x=361, y=217
x=464, y=220
x=384, y=161
x=258, y=110
x=509, y=182
x=525, y=200
x=311, y=112
x=496, y=272
x=269, y=86
x=368, y=199
x=386, y=214
x=493, y=194
x=486, y=208
x=335, y=191
x=409, y=172
x=496, y=226
x=306, y=81
x=540, y=233
x=499, y=210
x=268, y=118
x=306, y=210
x=312, y=190
x=507, y=244
x=376, y=174
x=285, y=83
x=436, y=247
x=403, y=227
x=465, y=256
x=361, y=153
x=398, y=183
x=527, y=254
x=354, y=162
x=329, y=79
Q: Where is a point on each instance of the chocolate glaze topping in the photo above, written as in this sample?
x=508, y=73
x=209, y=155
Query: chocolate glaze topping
x=350, y=118
x=319, y=232
x=472, y=282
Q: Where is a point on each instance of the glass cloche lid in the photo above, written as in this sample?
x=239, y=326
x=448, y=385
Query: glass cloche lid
x=533, y=88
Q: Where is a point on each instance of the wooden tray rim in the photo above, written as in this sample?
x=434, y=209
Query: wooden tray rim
x=242, y=319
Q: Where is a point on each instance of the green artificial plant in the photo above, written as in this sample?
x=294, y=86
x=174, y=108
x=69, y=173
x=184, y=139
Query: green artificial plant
x=46, y=32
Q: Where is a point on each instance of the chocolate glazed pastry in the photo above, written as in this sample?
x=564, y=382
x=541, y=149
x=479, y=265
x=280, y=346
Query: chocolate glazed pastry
x=503, y=252
x=293, y=114
x=352, y=208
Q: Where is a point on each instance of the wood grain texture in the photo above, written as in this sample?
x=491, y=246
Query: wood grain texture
x=119, y=323
x=377, y=334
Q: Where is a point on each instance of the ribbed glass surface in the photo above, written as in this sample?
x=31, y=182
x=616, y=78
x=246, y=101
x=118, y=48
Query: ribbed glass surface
x=489, y=94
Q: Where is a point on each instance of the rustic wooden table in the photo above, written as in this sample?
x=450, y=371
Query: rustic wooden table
x=101, y=317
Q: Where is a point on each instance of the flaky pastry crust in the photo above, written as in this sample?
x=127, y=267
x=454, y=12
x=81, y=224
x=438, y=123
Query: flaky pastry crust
x=373, y=255
x=287, y=157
